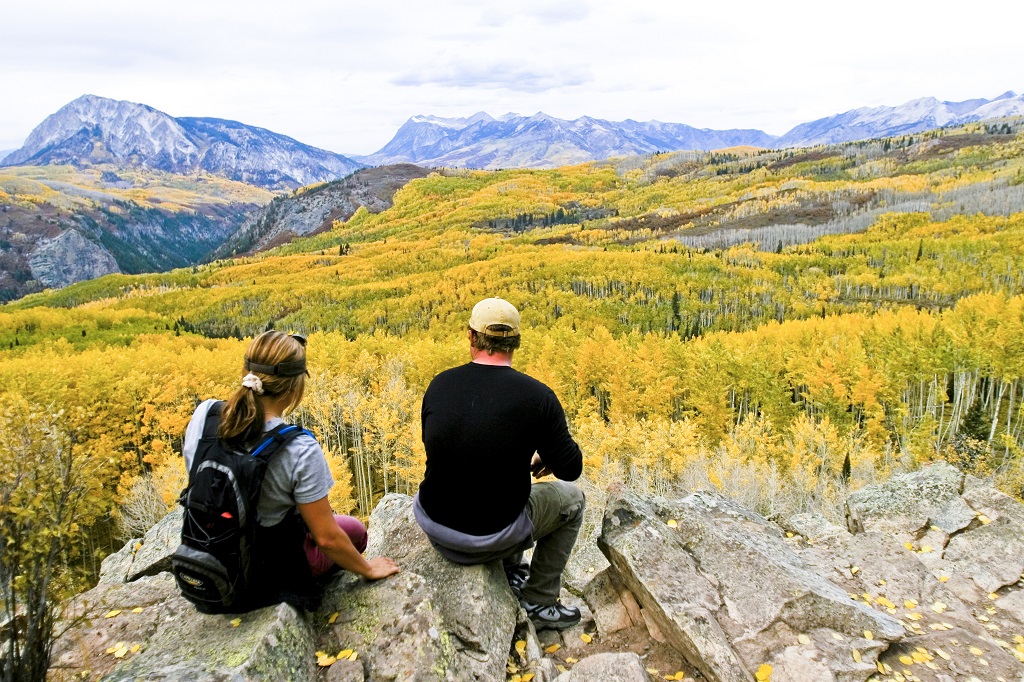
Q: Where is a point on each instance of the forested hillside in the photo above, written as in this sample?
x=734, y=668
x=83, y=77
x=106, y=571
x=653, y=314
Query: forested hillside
x=780, y=324
x=61, y=223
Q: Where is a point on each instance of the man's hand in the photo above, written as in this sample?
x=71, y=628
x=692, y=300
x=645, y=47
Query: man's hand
x=538, y=468
x=381, y=567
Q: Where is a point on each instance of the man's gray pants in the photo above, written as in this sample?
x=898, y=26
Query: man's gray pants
x=556, y=511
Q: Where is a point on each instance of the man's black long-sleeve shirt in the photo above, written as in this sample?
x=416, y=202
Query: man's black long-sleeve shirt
x=481, y=427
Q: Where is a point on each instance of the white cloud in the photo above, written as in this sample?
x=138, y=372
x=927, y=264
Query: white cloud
x=345, y=75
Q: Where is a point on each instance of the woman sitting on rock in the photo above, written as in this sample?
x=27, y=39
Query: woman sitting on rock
x=298, y=538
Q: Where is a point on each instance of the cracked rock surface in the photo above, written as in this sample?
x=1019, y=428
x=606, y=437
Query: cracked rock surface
x=726, y=589
x=927, y=587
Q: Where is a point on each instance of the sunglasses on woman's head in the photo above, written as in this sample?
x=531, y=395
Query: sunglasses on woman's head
x=286, y=369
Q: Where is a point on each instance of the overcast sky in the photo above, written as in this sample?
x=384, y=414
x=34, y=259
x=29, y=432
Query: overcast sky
x=344, y=75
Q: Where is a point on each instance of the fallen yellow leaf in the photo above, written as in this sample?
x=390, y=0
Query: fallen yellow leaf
x=868, y=635
x=333, y=619
x=943, y=578
x=906, y=660
x=938, y=607
x=803, y=639
x=856, y=655
x=326, y=661
x=135, y=648
x=137, y=609
x=942, y=654
x=763, y=673
x=854, y=570
x=993, y=596
x=553, y=648
x=836, y=636
x=671, y=523
x=354, y=656
x=520, y=647
x=121, y=652
x=586, y=638
x=113, y=613
x=909, y=545
x=235, y=622
x=345, y=653
x=976, y=651
x=984, y=519
x=527, y=677
x=910, y=604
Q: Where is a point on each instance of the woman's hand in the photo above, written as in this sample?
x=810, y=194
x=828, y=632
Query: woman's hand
x=381, y=567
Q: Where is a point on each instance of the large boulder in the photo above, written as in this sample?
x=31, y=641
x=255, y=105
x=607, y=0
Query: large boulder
x=149, y=556
x=991, y=553
x=434, y=619
x=906, y=504
x=964, y=530
x=145, y=630
x=725, y=588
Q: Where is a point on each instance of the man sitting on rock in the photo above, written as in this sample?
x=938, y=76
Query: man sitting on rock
x=485, y=428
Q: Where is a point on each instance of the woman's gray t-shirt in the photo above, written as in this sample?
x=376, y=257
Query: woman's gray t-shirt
x=297, y=474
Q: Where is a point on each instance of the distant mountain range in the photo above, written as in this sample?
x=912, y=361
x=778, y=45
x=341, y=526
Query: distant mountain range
x=99, y=130
x=542, y=141
x=95, y=129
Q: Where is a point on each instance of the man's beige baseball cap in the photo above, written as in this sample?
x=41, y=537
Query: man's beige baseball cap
x=491, y=312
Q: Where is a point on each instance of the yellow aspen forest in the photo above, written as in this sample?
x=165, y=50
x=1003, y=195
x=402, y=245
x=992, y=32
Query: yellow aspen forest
x=780, y=325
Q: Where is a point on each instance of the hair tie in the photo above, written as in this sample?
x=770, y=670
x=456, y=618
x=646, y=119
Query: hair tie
x=254, y=382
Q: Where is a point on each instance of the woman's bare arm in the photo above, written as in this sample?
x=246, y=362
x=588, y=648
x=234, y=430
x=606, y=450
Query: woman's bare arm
x=337, y=546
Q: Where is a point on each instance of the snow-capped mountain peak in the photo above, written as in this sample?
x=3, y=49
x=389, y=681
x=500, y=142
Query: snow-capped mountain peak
x=98, y=129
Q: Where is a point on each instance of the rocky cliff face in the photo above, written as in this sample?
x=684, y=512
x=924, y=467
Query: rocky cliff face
x=925, y=584
x=313, y=210
x=69, y=258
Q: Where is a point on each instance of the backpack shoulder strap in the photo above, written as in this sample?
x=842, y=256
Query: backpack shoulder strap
x=275, y=439
x=213, y=420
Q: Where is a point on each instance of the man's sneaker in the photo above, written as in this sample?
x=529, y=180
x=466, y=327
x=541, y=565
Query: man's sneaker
x=516, y=576
x=556, y=616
